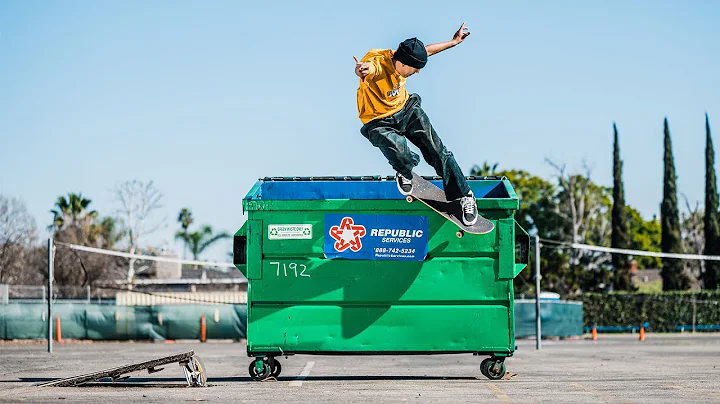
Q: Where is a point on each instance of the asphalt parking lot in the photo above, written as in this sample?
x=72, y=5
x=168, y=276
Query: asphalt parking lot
x=663, y=368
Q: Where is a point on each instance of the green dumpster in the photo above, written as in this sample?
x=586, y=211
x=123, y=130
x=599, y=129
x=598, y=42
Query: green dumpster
x=345, y=265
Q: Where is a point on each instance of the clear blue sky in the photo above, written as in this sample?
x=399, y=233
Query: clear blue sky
x=205, y=97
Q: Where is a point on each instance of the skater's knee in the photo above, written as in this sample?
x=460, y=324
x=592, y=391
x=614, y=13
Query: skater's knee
x=445, y=154
x=364, y=132
x=415, y=99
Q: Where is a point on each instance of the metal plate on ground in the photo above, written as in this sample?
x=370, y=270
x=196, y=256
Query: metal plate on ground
x=193, y=368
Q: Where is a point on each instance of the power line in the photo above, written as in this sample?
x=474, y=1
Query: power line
x=144, y=257
x=579, y=246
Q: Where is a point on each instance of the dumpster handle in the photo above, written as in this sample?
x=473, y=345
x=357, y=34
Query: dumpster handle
x=522, y=249
x=240, y=250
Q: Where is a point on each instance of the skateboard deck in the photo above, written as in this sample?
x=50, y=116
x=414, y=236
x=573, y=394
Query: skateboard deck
x=434, y=197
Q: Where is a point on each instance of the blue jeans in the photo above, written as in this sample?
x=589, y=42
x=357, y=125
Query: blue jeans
x=390, y=135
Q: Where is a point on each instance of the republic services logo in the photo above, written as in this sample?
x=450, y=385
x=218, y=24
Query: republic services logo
x=347, y=235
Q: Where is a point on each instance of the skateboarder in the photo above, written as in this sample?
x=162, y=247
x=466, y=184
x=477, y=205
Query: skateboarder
x=391, y=117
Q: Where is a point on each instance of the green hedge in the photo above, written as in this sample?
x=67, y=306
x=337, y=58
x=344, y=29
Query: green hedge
x=664, y=311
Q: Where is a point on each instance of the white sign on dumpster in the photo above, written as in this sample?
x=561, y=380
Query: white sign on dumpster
x=289, y=232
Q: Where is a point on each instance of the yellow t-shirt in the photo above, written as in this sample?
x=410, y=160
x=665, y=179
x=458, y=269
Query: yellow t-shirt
x=383, y=92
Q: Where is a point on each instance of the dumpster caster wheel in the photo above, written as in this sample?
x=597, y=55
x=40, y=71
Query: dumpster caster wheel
x=275, y=367
x=493, y=369
x=459, y=233
x=409, y=199
x=259, y=374
x=484, y=367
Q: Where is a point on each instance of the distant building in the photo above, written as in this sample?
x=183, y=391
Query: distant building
x=169, y=270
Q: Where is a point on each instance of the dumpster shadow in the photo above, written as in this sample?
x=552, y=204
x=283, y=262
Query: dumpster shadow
x=440, y=248
x=348, y=378
x=138, y=382
x=368, y=288
x=387, y=378
x=179, y=382
x=368, y=291
x=386, y=288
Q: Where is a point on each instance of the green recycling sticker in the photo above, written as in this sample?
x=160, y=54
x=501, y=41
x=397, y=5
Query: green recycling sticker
x=289, y=232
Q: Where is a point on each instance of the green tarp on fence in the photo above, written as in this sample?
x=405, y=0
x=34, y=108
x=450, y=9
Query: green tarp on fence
x=103, y=322
x=226, y=321
x=559, y=318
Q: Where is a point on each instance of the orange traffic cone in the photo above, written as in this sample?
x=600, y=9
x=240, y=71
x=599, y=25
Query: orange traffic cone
x=203, y=329
x=594, y=333
x=642, y=333
x=58, y=329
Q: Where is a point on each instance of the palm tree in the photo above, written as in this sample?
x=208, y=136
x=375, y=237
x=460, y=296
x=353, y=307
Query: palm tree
x=199, y=241
x=105, y=234
x=185, y=219
x=71, y=211
x=485, y=170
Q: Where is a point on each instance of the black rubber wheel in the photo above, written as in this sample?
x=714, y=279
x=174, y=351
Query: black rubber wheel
x=264, y=374
x=496, y=370
x=484, y=365
x=275, y=367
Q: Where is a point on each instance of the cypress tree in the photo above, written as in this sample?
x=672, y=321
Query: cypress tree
x=711, y=277
x=619, y=238
x=672, y=273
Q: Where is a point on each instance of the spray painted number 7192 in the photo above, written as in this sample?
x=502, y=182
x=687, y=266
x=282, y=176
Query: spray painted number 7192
x=298, y=269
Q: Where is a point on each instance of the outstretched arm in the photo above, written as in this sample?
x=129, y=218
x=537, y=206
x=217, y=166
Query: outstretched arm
x=459, y=36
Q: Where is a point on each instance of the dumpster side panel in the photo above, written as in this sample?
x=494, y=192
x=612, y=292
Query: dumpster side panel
x=377, y=329
x=447, y=279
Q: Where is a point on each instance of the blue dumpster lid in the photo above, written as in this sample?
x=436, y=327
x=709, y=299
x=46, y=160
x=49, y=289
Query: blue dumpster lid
x=363, y=187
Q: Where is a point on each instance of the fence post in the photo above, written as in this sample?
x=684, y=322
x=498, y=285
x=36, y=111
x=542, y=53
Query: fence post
x=538, y=332
x=49, y=296
x=4, y=294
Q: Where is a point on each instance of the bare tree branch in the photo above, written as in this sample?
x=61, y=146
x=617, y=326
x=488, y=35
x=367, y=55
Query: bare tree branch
x=17, y=234
x=139, y=200
x=693, y=229
x=581, y=206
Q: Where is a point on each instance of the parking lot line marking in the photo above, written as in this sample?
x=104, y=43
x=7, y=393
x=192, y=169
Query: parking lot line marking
x=499, y=393
x=703, y=392
x=305, y=372
x=599, y=394
x=589, y=390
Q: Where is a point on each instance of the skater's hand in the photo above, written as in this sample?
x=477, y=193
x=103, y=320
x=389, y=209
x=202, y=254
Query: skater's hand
x=362, y=69
x=461, y=34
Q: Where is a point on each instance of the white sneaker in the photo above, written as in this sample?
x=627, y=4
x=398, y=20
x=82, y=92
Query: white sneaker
x=469, y=209
x=404, y=184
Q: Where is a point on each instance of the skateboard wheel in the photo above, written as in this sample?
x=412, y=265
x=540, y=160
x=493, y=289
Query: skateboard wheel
x=460, y=233
x=409, y=198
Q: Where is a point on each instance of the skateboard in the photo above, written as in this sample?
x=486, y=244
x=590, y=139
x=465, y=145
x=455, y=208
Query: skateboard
x=434, y=197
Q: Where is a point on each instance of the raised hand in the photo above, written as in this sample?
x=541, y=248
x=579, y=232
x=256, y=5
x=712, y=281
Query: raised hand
x=461, y=34
x=362, y=69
